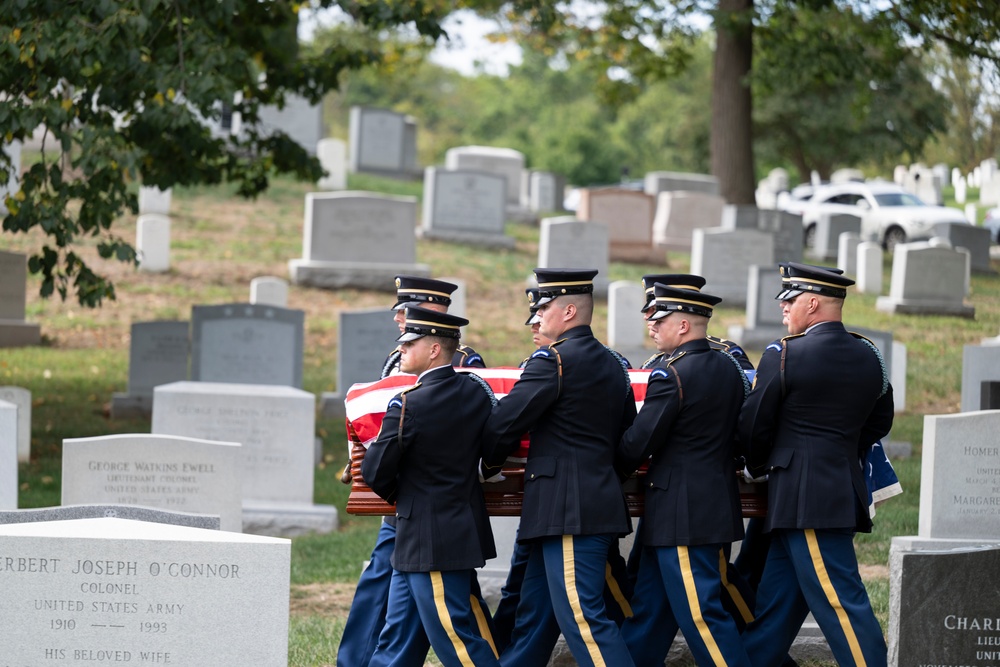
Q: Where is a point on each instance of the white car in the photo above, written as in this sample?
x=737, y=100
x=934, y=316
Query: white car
x=889, y=214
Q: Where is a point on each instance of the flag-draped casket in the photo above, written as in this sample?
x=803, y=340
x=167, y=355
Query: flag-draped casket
x=365, y=406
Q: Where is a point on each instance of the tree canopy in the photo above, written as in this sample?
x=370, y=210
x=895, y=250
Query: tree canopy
x=130, y=90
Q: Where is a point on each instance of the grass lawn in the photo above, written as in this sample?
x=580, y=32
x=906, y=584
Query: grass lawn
x=220, y=243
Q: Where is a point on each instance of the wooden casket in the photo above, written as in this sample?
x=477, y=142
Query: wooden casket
x=502, y=498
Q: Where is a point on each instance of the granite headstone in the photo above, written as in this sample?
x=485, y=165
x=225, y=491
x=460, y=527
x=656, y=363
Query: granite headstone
x=465, y=207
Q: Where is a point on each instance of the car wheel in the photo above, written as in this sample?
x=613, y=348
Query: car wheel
x=893, y=236
x=809, y=239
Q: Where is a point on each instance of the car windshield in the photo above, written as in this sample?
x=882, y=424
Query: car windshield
x=898, y=199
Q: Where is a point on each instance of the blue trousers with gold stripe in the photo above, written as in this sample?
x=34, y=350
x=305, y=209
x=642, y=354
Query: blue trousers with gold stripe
x=572, y=570
x=681, y=587
x=445, y=606
x=368, y=609
x=817, y=571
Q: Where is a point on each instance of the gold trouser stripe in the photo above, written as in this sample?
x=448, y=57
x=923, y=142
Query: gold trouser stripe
x=616, y=591
x=692, y=595
x=569, y=579
x=832, y=597
x=437, y=583
x=481, y=622
x=734, y=592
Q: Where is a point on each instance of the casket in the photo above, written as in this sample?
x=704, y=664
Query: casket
x=502, y=498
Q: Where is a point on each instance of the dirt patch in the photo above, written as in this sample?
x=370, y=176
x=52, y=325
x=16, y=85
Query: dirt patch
x=323, y=599
x=874, y=571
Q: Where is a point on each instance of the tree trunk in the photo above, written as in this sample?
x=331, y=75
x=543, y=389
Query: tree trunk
x=732, y=138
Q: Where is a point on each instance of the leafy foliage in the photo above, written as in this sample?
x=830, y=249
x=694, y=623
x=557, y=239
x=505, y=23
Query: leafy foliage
x=128, y=90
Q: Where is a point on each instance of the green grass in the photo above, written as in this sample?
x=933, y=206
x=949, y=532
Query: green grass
x=219, y=243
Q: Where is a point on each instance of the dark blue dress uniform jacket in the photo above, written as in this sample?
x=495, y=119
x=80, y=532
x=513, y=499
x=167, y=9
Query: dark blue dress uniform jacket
x=425, y=459
x=688, y=424
x=576, y=411
x=809, y=426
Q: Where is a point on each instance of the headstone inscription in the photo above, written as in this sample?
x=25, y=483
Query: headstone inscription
x=575, y=243
x=110, y=591
x=960, y=476
x=628, y=215
x=241, y=342
x=159, y=353
x=21, y=399
x=357, y=239
x=927, y=278
x=14, y=331
x=275, y=426
x=943, y=607
x=168, y=472
x=465, y=206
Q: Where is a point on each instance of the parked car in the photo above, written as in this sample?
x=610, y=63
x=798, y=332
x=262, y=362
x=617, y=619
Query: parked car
x=889, y=214
x=992, y=223
x=796, y=200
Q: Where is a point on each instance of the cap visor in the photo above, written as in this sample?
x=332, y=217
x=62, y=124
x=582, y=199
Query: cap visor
x=787, y=294
x=534, y=319
x=407, y=337
x=647, y=305
x=544, y=300
x=658, y=315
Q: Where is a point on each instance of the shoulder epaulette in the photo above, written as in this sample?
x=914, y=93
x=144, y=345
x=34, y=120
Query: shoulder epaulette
x=881, y=361
x=558, y=342
x=651, y=361
x=485, y=385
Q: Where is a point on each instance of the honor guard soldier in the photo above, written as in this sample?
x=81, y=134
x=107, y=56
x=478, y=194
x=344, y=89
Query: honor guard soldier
x=689, y=282
x=576, y=400
x=366, y=617
x=687, y=425
x=425, y=460
x=433, y=295
x=820, y=398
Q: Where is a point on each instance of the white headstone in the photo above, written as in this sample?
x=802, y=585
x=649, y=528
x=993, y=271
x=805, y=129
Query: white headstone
x=626, y=329
x=545, y=192
x=927, y=279
x=168, y=472
x=114, y=591
x=564, y=243
x=332, y=154
x=505, y=162
x=989, y=191
x=959, y=476
x=14, y=331
x=357, y=239
x=724, y=259
x=972, y=213
x=465, y=207
x=276, y=426
x=458, y=297
x=152, y=242
x=241, y=342
x=269, y=291
x=898, y=376
x=847, y=252
x=21, y=399
x=678, y=214
x=960, y=191
x=869, y=268
x=154, y=200
x=980, y=377
x=8, y=455
x=847, y=175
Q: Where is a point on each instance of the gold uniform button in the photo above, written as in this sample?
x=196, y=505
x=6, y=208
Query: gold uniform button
x=532, y=475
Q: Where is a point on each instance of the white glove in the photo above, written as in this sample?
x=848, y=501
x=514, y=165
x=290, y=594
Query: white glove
x=489, y=480
x=750, y=479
